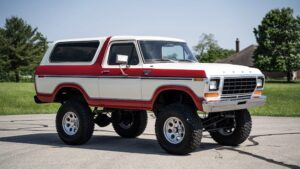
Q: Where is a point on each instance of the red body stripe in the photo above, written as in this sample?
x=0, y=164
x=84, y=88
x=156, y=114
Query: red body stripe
x=92, y=70
x=176, y=73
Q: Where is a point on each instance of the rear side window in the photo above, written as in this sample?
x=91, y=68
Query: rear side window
x=74, y=51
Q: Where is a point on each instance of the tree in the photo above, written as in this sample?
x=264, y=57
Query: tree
x=208, y=50
x=206, y=42
x=216, y=53
x=21, y=46
x=278, y=38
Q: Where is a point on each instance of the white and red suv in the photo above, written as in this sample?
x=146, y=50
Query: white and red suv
x=122, y=77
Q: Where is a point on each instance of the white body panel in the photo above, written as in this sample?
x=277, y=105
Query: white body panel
x=47, y=85
x=123, y=89
x=149, y=86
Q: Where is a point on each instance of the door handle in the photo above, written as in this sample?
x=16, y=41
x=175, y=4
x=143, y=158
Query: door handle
x=105, y=71
x=147, y=72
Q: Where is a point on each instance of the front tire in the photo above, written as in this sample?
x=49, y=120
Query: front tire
x=178, y=129
x=243, y=124
x=129, y=124
x=74, y=122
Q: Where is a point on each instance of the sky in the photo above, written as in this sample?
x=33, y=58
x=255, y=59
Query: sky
x=184, y=19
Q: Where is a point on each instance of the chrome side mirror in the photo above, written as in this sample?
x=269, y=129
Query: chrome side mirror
x=122, y=59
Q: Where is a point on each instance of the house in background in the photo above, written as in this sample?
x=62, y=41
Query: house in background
x=245, y=57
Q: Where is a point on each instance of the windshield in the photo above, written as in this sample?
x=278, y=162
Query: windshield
x=166, y=51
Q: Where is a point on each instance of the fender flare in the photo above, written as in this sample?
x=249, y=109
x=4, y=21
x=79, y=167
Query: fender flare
x=197, y=100
x=51, y=97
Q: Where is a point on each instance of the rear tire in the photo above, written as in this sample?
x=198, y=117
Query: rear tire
x=74, y=122
x=129, y=124
x=241, y=132
x=178, y=129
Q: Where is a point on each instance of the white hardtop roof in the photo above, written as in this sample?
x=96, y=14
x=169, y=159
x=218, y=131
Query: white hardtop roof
x=123, y=38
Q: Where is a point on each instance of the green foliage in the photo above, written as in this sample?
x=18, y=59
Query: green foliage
x=216, y=53
x=206, y=42
x=208, y=50
x=21, y=47
x=278, y=38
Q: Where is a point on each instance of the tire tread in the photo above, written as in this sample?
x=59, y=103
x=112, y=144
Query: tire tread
x=241, y=133
x=87, y=123
x=192, y=119
x=136, y=130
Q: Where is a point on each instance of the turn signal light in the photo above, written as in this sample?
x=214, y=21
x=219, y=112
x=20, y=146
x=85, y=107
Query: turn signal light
x=258, y=92
x=198, y=79
x=211, y=94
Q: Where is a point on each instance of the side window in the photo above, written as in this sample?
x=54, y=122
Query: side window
x=74, y=51
x=123, y=49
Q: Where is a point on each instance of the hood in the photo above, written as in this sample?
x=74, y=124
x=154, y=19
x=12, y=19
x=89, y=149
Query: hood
x=211, y=69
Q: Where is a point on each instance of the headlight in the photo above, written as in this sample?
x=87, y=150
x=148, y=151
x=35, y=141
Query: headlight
x=260, y=82
x=214, y=84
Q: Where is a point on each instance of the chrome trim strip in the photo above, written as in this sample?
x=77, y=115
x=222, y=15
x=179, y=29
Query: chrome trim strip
x=118, y=77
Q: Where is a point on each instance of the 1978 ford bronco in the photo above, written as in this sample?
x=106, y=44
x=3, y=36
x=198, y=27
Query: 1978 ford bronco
x=121, y=77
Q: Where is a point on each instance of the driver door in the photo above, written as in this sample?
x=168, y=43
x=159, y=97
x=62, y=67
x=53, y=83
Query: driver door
x=115, y=84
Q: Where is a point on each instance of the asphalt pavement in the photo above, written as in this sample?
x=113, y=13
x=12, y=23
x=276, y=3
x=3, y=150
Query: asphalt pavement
x=30, y=141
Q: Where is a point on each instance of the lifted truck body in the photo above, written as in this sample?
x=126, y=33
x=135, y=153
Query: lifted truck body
x=131, y=81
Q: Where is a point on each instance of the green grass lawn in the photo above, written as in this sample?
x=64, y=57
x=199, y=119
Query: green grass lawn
x=283, y=99
x=17, y=98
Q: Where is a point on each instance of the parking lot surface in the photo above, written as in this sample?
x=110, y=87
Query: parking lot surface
x=30, y=141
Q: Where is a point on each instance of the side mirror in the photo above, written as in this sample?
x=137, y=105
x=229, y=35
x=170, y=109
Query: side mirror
x=122, y=59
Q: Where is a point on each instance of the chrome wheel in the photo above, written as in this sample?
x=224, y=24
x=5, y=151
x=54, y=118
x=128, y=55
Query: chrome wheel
x=70, y=123
x=226, y=131
x=129, y=123
x=174, y=130
x=127, y=119
x=125, y=125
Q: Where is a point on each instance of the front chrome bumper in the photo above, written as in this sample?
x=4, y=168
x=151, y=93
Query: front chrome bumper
x=219, y=106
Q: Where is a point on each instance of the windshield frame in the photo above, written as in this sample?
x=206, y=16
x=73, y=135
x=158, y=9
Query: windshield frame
x=165, y=60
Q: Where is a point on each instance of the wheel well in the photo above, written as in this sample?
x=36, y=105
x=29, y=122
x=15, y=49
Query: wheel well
x=172, y=96
x=66, y=93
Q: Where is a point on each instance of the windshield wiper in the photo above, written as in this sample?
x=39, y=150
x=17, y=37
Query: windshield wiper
x=186, y=60
x=164, y=60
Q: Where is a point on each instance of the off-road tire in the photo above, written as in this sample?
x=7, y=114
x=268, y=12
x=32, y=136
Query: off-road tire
x=86, y=123
x=139, y=122
x=192, y=124
x=240, y=133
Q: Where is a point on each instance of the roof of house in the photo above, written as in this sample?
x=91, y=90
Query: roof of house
x=244, y=57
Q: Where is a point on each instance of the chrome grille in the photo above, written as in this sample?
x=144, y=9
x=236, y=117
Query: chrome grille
x=239, y=85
